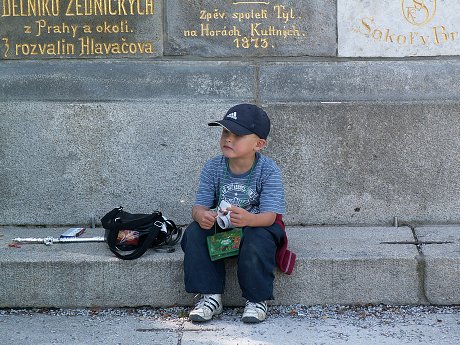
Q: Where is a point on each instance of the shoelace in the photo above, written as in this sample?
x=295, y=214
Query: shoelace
x=208, y=302
x=259, y=305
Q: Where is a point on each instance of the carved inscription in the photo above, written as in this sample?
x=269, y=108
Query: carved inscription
x=249, y=24
x=436, y=35
x=399, y=28
x=74, y=28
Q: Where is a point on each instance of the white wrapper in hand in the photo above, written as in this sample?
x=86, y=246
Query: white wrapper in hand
x=223, y=217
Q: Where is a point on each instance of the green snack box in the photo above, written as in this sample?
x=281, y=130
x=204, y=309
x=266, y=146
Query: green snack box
x=224, y=244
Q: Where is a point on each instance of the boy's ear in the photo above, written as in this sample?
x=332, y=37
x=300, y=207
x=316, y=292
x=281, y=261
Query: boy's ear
x=261, y=143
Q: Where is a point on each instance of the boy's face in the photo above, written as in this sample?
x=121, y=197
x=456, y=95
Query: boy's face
x=240, y=146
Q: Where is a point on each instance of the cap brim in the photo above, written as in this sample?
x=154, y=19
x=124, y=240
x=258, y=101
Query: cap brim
x=231, y=126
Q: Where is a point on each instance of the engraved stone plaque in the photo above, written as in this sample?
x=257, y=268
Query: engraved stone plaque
x=211, y=28
x=44, y=29
x=398, y=28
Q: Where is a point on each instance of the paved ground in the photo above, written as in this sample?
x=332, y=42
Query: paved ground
x=286, y=325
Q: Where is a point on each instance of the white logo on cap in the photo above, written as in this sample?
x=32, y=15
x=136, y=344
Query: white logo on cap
x=232, y=116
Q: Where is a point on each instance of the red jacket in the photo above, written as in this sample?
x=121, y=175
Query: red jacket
x=285, y=259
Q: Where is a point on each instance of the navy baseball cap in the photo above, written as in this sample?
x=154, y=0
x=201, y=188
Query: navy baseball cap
x=244, y=119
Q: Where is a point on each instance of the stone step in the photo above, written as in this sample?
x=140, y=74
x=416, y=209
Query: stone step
x=282, y=81
x=335, y=265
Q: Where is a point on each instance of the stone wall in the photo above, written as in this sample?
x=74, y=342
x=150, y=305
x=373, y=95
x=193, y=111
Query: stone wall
x=105, y=103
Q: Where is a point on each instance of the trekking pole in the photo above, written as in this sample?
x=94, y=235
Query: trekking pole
x=50, y=240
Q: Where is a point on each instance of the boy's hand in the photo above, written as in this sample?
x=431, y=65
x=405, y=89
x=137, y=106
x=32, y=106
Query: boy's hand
x=206, y=218
x=239, y=216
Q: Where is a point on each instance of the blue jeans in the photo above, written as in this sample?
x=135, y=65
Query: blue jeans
x=256, y=262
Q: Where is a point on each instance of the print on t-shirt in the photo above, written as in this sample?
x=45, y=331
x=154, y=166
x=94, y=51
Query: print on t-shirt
x=240, y=195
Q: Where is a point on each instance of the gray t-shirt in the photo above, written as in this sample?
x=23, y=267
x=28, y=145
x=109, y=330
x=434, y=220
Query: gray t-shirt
x=258, y=190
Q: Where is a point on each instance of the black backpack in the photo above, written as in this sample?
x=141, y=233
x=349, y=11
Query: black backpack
x=130, y=235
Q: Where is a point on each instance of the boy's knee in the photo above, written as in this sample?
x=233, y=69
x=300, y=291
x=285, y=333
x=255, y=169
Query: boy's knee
x=254, y=239
x=257, y=242
x=193, y=235
x=256, y=235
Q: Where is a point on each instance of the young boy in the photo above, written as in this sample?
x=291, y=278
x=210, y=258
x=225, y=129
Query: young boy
x=251, y=183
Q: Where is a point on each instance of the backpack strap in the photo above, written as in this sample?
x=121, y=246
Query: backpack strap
x=174, y=232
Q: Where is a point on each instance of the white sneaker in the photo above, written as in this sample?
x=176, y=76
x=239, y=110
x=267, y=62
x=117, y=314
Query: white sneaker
x=254, y=312
x=206, y=308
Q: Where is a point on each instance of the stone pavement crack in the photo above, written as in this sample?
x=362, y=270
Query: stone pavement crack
x=180, y=333
x=421, y=268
